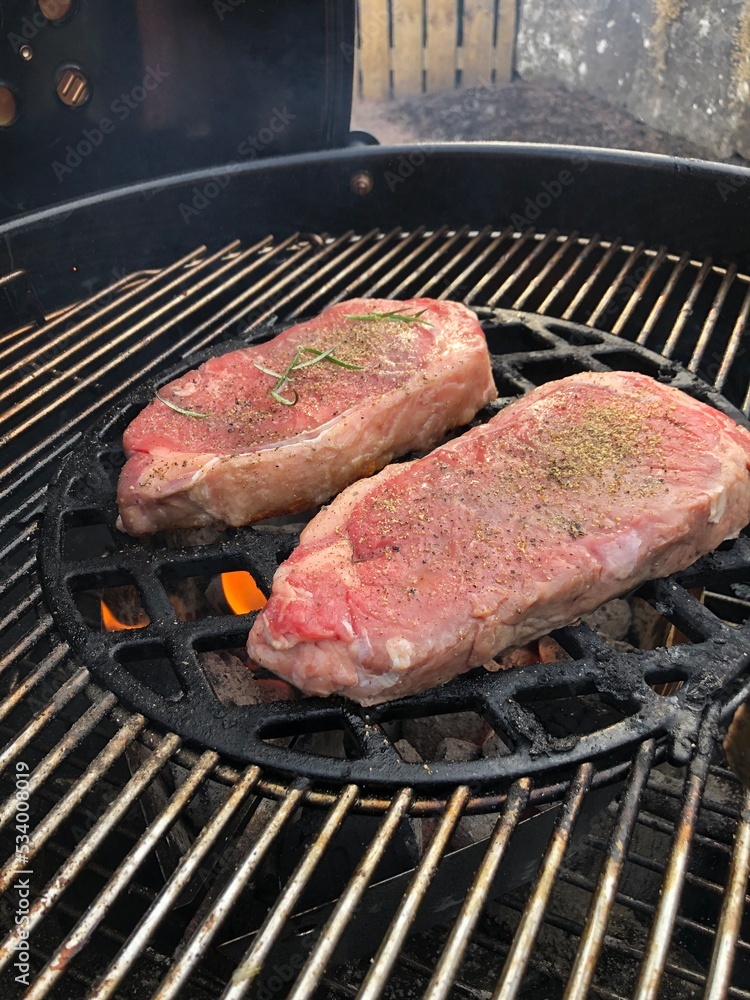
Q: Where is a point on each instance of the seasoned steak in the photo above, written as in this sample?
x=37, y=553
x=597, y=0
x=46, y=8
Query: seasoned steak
x=578, y=492
x=367, y=380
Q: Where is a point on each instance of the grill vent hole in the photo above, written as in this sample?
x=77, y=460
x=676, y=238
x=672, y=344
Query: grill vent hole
x=453, y=736
x=109, y=602
x=572, y=714
x=331, y=741
x=549, y=369
x=625, y=361
x=579, y=338
x=85, y=540
x=151, y=665
x=515, y=338
x=506, y=387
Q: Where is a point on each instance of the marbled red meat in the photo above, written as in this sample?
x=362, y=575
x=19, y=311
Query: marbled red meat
x=571, y=496
x=249, y=456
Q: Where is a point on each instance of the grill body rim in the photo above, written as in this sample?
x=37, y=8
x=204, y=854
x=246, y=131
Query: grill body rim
x=456, y=183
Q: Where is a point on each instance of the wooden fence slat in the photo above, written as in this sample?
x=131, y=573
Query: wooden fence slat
x=406, y=54
x=477, y=43
x=408, y=66
x=440, y=55
x=506, y=41
x=358, y=75
x=374, y=55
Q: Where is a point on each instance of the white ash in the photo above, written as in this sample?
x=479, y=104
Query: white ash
x=233, y=682
x=407, y=752
x=425, y=735
x=421, y=828
x=470, y=829
x=455, y=751
x=264, y=813
x=329, y=743
x=612, y=620
x=420, y=834
x=649, y=629
x=495, y=746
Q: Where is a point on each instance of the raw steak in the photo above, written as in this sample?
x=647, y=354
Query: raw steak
x=573, y=495
x=240, y=454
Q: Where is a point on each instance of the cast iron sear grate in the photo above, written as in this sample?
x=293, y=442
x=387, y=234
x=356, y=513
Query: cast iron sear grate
x=527, y=350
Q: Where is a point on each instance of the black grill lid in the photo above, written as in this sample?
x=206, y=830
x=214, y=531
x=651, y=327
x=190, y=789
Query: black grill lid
x=173, y=86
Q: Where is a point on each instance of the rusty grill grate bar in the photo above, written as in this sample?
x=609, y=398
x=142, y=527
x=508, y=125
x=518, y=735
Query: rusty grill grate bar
x=603, y=899
x=60, y=376
x=179, y=881
x=728, y=930
x=476, y=898
x=518, y=957
x=661, y=928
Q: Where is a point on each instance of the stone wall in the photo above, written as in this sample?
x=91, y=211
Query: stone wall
x=682, y=66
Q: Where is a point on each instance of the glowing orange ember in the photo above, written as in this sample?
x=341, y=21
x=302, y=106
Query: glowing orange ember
x=241, y=592
x=112, y=624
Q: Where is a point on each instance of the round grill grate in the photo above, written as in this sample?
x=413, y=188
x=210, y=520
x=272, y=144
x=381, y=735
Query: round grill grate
x=550, y=716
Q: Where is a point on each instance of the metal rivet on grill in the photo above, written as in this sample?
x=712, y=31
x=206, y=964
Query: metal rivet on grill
x=361, y=182
x=73, y=88
x=55, y=10
x=8, y=107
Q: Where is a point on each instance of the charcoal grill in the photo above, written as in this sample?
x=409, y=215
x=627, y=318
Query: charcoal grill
x=123, y=899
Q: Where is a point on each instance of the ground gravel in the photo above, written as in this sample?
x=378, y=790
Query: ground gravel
x=516, y=112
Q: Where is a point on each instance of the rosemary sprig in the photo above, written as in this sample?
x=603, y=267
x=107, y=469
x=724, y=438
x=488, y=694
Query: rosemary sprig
x=397, y=314
x=282, y=399
x=181, y=409
x=281, y=381
x=297, y=364
x=327, y=356
x=266, y=371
